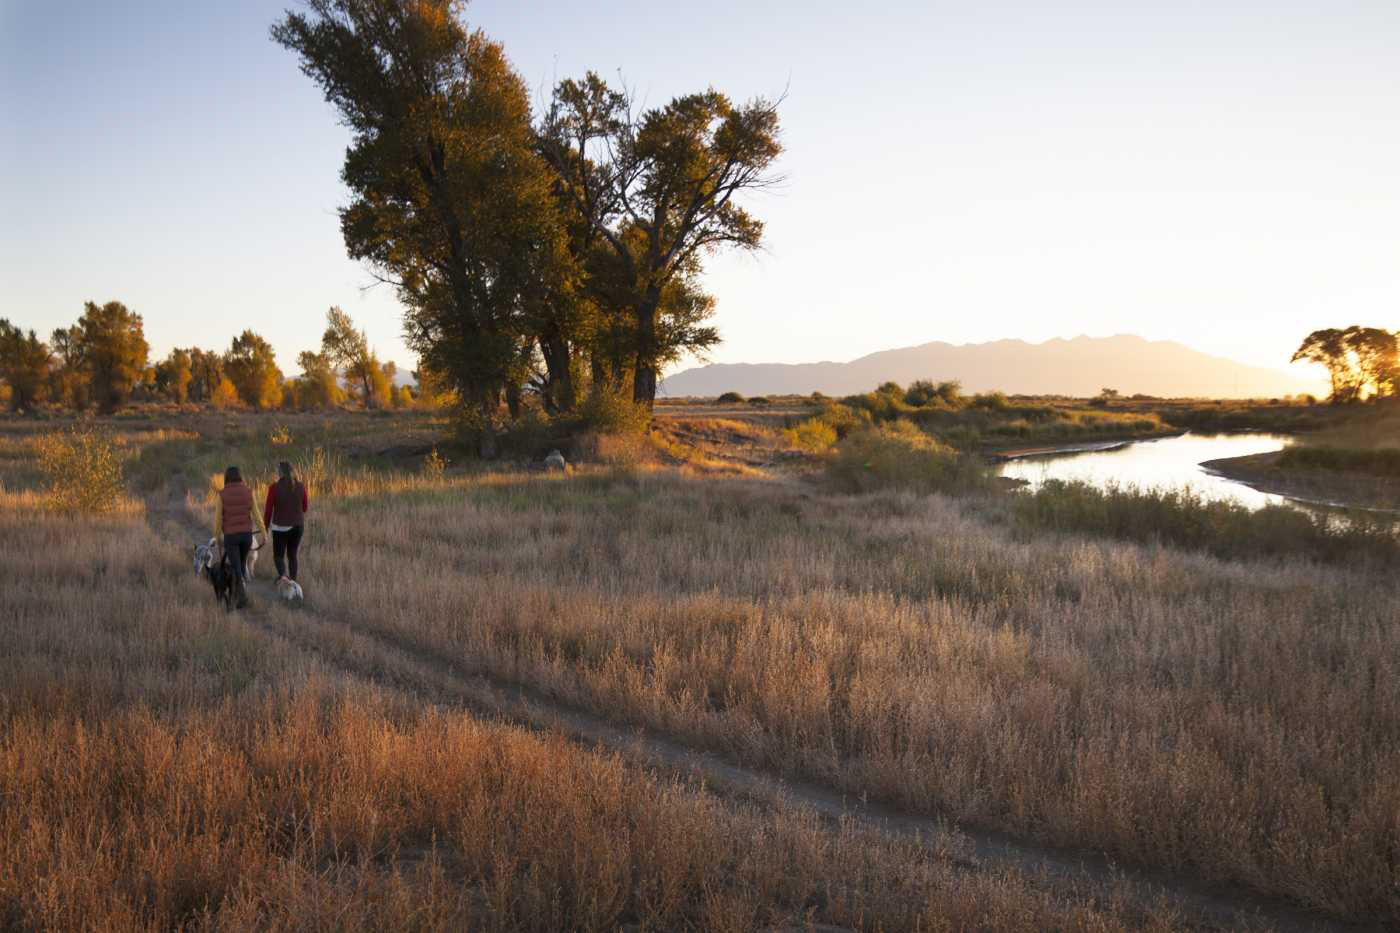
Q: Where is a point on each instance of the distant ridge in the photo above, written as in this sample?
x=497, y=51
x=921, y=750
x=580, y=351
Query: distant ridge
x=1078, y=367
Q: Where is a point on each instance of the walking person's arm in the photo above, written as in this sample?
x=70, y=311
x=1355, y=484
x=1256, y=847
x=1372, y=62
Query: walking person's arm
x=219, y=518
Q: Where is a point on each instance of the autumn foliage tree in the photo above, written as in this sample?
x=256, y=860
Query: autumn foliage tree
x=251, y=365
x=174, y=374
x=318, y=386
x=109, y=346
x=24, y=365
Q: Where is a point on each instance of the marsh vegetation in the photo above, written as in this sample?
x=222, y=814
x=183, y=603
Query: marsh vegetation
x=1224, y=713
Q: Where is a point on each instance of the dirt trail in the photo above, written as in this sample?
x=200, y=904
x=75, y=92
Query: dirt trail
x=442, y=680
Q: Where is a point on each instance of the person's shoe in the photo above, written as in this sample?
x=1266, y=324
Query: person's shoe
x=242, y=602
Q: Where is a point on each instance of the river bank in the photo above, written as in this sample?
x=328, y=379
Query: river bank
x=1003, y=453
x=1264, y=473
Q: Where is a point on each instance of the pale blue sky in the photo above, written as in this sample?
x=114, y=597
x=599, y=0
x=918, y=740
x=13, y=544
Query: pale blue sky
x=1226, y=174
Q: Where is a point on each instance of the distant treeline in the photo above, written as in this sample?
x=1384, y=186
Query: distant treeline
x=103, y=362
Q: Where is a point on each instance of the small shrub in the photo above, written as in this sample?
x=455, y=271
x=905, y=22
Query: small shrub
x=434, y=465
x=279, y=436
x=899, y=455
x=759, y=400
x=843, y=419
x=83, y=469
x=892, y=389
x=813, y=435
x=730, y=398
x=609, y=411
x=924, y=393
x=991, y=401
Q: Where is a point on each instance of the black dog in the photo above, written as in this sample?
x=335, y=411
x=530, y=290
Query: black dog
x=218, y=571
x=220, y=575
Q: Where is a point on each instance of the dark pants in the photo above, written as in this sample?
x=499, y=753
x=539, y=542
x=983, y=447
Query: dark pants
x=237, y=546
x=285, y=543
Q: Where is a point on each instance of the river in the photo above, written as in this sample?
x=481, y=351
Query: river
x=1167, y=462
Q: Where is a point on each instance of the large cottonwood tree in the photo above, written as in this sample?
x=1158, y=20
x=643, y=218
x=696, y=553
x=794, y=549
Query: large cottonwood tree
x=451, y=203
x=659, y=190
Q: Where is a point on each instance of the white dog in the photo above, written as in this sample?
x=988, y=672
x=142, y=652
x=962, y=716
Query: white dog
x=252, y=560
x=289, y=589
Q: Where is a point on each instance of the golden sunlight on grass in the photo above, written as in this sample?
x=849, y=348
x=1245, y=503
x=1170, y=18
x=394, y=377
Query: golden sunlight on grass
x=166, y=765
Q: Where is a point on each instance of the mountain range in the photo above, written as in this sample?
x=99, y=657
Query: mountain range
x=1078, y=367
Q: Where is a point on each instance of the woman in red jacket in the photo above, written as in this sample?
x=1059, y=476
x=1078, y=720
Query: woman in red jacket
x=235, y=519
x=285, y=515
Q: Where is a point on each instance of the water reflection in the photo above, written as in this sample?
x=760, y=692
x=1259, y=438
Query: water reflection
x=1165, y=463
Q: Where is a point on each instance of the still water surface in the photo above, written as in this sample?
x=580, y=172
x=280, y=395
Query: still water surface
x=1169, y=462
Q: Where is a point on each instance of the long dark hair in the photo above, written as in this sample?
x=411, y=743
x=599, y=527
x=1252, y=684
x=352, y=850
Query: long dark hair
x=232, y=475
x=284, y=470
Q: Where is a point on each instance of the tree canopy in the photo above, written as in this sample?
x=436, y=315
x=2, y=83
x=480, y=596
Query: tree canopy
x=657, y=191
x=109, y=344
x=1357, y=359
x=528, y=255
x=251, y=365
x=24, y=365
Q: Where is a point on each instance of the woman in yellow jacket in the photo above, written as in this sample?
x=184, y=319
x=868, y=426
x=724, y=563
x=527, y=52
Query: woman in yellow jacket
x=235, y=517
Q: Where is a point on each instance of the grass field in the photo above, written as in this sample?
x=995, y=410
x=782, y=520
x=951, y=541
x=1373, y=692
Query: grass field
x=165, y=764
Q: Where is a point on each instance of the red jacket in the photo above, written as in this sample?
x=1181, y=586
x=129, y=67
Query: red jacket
x=287, y=504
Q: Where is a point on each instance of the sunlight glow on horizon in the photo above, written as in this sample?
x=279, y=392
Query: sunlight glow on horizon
x=1219, y=177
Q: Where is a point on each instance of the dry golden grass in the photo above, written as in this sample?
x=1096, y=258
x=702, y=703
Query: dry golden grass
x=166, y=765
x=1240, y=720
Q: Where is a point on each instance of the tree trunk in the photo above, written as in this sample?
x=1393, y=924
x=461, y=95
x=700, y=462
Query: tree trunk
x=513, y=399
x=561, y=379
x=486, y=443
x=644, y=375
x=598, y=370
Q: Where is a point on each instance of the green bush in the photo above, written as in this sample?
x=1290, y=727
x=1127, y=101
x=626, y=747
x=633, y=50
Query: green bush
x=924, y=393
x=759, y=400
x=813, y=435
x=730, y=398
x=901, y=456
x=843, y=420
x=607, y=411
x=991, y=401
x=83, y=470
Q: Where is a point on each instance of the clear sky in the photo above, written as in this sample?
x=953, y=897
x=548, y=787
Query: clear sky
x=1225, y=174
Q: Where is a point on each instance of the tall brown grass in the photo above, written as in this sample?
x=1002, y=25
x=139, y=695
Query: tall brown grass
x=1241, y=719
x=166, y=765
